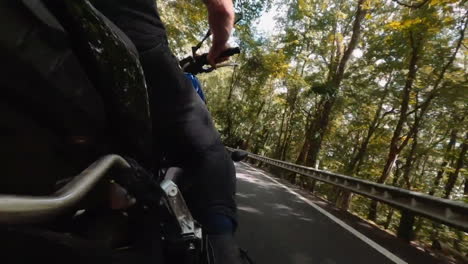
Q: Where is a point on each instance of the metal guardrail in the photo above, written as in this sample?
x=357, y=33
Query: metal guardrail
x=445, y=211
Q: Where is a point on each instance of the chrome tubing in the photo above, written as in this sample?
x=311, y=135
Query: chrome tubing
x=15, y=209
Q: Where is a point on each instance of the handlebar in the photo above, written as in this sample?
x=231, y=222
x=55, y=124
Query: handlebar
x=195, y=64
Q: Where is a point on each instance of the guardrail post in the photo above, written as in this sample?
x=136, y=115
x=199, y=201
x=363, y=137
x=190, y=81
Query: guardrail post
x=256, y=162
x=405, y=229
x=313, y=183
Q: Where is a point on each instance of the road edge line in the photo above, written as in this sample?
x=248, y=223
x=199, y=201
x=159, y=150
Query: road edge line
x=353, y=231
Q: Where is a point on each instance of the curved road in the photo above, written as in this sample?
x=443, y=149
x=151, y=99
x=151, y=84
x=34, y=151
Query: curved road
x=280, y=226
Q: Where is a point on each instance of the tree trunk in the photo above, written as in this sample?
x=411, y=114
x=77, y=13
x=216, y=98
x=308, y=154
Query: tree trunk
x=234, y=81
x=259, y=144
x=448, y=189
x=392, y=157
x=396, y=184
x=252, y=128
x=443, y=166
x=303, y=153
x=265, y=139
x=410, y=161
x=321, y=121
x=435, y=226
x=452, y=179
x=344, y=197
x=439, y=80
x=278, y=143
x=286, y=145
x=319, y=128
x=395, y=148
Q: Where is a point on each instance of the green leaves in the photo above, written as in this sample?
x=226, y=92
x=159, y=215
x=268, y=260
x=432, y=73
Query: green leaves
x=324, y=88
x=284, y=80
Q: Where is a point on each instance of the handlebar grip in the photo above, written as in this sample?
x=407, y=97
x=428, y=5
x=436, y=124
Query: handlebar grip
x=229, y=52
x=194, y=65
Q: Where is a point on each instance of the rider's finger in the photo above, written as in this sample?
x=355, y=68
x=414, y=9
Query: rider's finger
x=215, y=53
x=221, y=59
x=213, y=57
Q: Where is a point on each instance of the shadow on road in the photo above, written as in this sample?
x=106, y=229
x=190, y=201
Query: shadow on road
x=278, y=227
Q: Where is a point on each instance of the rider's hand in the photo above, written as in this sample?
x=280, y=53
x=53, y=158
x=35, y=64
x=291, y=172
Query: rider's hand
x=221, y=20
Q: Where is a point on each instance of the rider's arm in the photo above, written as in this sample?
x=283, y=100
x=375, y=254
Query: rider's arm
x=221, y=20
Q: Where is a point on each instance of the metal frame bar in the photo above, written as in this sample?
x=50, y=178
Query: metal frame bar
x=16, y=209
x=445, y=211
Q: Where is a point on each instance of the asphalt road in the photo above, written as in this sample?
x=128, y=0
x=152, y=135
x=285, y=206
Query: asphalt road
x=280, y=226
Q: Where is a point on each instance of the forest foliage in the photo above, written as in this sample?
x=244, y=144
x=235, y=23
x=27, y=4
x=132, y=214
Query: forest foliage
x=375, y=89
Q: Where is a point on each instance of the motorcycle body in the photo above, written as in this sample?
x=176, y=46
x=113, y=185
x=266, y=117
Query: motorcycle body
x=102, y=108
x=196, y=85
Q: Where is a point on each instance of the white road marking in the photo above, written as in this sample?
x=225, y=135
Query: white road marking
x=353, y=231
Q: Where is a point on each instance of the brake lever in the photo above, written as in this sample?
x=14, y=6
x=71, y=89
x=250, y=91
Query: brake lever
x=221, y=65
x=207, y=70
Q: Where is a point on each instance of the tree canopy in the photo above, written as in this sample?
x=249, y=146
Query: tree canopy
x=376, y=89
